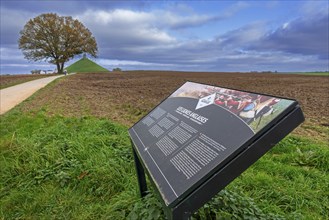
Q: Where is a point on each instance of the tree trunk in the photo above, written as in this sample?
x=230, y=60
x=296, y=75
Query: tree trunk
x=62, y=67
x=58, y=68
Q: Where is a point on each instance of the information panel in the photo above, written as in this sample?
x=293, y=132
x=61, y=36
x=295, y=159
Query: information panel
x=197, y=130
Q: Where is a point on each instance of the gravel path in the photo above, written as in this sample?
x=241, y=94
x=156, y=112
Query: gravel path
x=12, y=96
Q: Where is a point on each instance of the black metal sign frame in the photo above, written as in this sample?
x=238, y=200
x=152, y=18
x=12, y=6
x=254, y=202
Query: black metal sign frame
x=210, y=186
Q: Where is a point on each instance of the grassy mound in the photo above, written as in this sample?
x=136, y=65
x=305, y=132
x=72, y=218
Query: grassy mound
x=85, y=65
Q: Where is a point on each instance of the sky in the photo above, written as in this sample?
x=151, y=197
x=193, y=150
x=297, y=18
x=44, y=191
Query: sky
x=283, y=36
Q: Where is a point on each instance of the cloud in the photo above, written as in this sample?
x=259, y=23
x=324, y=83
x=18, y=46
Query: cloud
x=243, y=36
x=12, y=61
x=234, y=8
x=11, y=54
x=152, y=39
x=133, y=35
x=185, y=17
x=314, y=8
x=118, y=17
x=305, y=35
x=173, y=21
x=69, y=7
x=134, y=65
x=12, y=21
x=124, y=28
x=27, y=65
x=251, y=47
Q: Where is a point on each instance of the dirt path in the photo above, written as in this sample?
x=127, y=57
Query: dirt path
x=12, y=96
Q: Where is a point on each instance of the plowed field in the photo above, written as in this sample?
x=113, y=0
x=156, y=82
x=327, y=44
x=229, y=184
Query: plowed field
x=127, y=96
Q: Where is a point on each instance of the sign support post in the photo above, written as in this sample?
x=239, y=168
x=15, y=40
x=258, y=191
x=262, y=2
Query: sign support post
x=176, y=213
x=140, y=174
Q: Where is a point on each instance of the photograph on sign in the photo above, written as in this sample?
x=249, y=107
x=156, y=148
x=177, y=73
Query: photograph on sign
x=196, y=130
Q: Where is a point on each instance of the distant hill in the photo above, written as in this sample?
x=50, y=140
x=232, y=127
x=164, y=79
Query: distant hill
x=85, y=65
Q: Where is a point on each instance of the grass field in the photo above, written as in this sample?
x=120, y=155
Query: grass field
x=85, y=65
x=60, y=165
x=314, y=74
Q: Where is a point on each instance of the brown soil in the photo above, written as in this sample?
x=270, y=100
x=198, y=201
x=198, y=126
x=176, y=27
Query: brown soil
x=11, y=80
x=126, y=96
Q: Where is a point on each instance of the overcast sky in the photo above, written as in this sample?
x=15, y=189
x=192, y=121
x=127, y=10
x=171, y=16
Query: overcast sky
x=183, y=35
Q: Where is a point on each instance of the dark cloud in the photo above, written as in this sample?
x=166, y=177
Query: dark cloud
x=188, y=18
x=307, y=36
x=192, y=19
x=242, y=37
x=12, y=21
x=71, y=7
